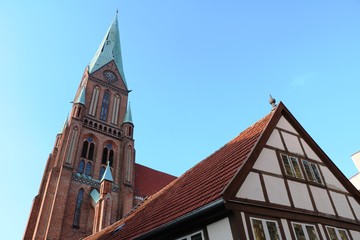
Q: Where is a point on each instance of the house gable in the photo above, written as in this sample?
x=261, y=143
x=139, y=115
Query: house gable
x=287, y=169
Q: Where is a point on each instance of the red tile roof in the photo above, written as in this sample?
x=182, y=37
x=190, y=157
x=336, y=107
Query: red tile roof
x=201, y=185
x=149, y=181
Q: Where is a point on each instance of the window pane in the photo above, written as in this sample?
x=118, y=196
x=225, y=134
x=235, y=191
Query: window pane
x=299, y=233
x=102, y=170
x=287, y=166
x=91, y=151
x=332, y=233
x=84, y=149
x=197, y=236
x=343, y=234
x=258, y=230
x=296, y=166
x=88, y=169
x=104, y=106
x=316, y=173
x=104, y=156
x=308, y=171
x=312, y=232
x=273, y=231
x=81, y=166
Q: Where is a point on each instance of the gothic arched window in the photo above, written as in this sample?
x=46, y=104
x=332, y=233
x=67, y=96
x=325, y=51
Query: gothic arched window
x=88, y=169
x=81, y=166
x=105, y=106
x=79, y=199
x=104, y=156
x=88, y=152
x=108, y=155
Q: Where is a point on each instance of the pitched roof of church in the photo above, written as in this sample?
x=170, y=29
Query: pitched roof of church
x=202, y=185
x=109, y=50
x=149, y=181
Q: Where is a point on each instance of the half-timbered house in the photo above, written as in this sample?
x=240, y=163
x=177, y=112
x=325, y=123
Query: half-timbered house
x=271, y=182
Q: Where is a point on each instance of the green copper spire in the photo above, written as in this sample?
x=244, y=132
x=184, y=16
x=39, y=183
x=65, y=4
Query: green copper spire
x=107, y=174
x=81, y=97
x=109, y=50
x=128, y=116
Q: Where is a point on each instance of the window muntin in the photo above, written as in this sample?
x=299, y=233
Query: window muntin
x=312, y=171
x=337, y=233
x=264, y=229
x=291, y=165
x=305, y=231
x=194, y=236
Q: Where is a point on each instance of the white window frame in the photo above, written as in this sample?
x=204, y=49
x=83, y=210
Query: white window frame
x=188, y=237
x=337, y=232
x=289, y=159
x=313, y=174
x=266, y=230
x=303, y=226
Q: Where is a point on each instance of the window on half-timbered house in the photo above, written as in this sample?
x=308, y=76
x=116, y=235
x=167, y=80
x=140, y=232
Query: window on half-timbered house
x=264, y=229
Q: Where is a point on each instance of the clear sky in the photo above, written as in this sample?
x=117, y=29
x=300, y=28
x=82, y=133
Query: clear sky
x=200, y=71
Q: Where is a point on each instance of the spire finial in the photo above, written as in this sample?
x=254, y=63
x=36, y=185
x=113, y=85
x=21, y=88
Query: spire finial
x=117, y=11
x=272, y=101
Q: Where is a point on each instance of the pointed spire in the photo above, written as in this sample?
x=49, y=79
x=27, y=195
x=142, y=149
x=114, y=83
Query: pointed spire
x=64, y=125
x=81, y=97
x=109, y=50
x=107, y=174
x=128, y=116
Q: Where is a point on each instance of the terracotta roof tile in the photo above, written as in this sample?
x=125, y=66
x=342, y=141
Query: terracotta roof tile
x=199, y=186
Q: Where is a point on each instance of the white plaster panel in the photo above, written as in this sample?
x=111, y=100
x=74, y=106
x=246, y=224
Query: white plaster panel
x=355, y=180
x=251, y=188
x=284, y=124
x=275, y=140
x=292, y=143
x=245, y=225
x=300, y=195
x=341, y=205
x=276, y=190
x=286, y=228
x=309, y=152
x=322, y=200
x=355, y=206
x=220, y=230
x=331, y=181
x=267, y=161
x=355, y=234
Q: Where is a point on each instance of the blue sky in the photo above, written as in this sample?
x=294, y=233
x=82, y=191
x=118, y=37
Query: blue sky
x=200, y=71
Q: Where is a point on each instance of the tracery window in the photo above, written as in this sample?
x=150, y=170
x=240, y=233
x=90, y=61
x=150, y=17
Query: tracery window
x=108, y=155
x=88, y=151
x=105, y=106
x=81, y=166
x=88, y=169
x=79, y=200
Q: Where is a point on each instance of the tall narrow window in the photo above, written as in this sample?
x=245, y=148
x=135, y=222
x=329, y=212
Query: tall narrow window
x=115, y=110
x=128, y=170
x=104, y=156
x=71, y=145
x=91, y=151
x=105, y=106
x=81, y=166
x=94, y=101
x=111, y=157
x=84, y=149
x=88, y=169
x=79, y=199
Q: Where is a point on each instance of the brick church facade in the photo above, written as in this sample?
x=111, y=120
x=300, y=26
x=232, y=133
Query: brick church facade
x=91, y=179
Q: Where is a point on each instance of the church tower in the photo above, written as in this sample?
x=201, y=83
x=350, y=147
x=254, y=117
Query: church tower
x=88, y=180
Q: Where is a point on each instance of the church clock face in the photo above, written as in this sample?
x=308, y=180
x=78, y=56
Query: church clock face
x=110, y=76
